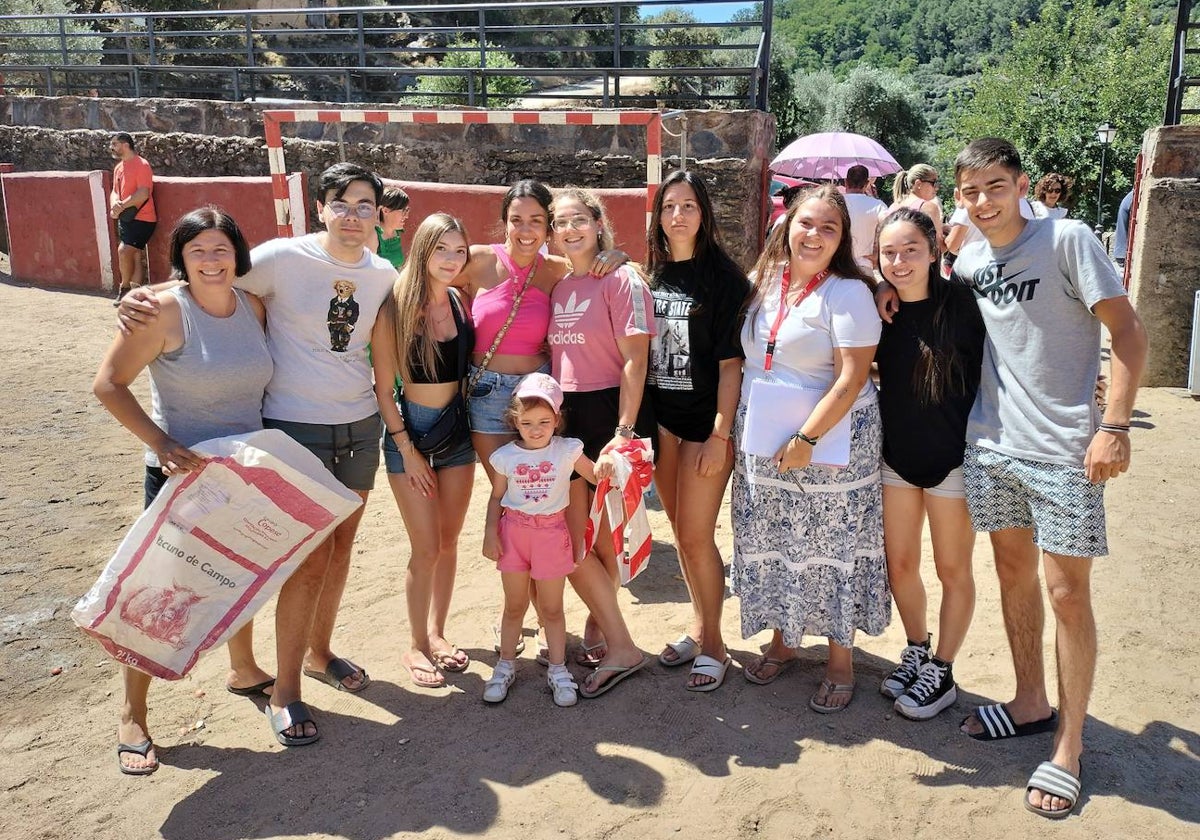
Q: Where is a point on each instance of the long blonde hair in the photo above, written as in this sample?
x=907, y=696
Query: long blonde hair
x=904, y=181
x=405, y=307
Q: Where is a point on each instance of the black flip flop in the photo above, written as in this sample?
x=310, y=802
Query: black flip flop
x=293, y=714
x=259, y=690
x=142, y=749
x=998, y=724
x=336, y=671
x=619, y=673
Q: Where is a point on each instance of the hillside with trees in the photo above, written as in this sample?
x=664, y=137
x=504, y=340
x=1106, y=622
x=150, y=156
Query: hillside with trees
x=920, y=76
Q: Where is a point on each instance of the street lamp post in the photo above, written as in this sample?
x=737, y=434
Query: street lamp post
x=1105, y=133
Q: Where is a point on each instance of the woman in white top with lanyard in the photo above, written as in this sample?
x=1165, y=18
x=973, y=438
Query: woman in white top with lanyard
x=808, y=537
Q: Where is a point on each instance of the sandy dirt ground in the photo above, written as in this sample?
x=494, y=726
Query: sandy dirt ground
x=649, y=760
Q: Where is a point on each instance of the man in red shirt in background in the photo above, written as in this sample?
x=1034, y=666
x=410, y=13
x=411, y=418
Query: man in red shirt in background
x=131, y=203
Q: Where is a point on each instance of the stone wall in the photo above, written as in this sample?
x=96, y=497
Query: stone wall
x=1166, y=249
x=192, y=138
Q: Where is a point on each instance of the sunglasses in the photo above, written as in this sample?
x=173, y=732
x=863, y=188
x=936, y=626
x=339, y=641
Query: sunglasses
x=1054, y=190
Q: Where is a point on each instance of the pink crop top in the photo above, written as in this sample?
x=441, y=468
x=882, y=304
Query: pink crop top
x=527, y=334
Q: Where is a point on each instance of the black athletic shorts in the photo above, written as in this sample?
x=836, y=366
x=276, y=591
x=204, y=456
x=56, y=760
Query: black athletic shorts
x=135, y=233
x=592, y=416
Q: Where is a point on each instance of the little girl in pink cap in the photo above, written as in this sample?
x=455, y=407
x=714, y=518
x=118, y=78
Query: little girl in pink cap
x=526, y=532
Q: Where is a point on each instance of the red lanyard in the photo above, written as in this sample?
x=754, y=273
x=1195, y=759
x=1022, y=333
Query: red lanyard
x=784, y=309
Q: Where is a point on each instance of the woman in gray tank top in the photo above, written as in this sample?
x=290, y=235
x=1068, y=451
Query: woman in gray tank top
x=209, y=365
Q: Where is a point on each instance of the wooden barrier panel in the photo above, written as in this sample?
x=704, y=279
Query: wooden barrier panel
x=248, y=200
x=61, y=236
x=58, y=229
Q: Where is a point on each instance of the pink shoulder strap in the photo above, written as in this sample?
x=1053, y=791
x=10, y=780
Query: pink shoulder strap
x=515, y=273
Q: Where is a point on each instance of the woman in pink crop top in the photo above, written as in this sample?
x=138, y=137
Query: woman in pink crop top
x=492, y=278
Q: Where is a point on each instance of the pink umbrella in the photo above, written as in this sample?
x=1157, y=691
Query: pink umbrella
x=830, y=154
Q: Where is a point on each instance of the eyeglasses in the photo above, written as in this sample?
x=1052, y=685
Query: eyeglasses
x=932, y=183
x=1054, y=190
x=574, y=223
x=343, y=210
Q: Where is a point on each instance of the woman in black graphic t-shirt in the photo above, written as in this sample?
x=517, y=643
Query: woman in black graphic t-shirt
x=929, y=360
x=694, y=379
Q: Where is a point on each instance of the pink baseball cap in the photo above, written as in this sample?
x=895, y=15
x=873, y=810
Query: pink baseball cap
x=540, y=386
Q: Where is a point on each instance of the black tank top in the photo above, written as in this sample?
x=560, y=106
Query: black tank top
x=446, y=367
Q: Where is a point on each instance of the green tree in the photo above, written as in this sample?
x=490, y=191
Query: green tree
x=680, y=44
x=452, y=90
x=21, y=43
x=813, y=92
x=1066, y=73
x=881, y=105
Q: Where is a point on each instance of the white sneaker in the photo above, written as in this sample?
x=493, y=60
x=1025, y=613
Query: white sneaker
x=563, y=685
x=495, y=690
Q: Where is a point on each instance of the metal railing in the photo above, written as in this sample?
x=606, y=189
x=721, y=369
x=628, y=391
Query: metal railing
x=1184, y=73
x=376, y=53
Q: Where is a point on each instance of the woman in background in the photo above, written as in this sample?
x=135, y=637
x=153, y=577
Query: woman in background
x=917, y=189
x=1050, y=196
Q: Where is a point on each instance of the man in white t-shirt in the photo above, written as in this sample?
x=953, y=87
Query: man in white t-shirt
x=865, y=213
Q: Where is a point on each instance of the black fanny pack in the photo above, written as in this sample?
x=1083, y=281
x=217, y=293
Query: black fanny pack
x=452, y=426
x=450, y=429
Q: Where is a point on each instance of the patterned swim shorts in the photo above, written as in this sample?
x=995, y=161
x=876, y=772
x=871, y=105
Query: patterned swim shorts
x=1064, y=509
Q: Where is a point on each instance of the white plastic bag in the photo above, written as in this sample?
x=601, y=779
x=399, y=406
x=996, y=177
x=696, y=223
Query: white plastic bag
x=211, y=550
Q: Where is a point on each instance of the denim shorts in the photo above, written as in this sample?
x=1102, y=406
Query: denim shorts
x=490, y=397
x=1064, y=509
x=348, y=450
x=422, y=418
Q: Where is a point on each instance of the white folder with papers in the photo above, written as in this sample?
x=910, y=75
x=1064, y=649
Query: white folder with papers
x=778, y=410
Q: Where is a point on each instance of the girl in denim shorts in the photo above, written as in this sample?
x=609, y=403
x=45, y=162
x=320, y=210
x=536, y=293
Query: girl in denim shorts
x=423, y=336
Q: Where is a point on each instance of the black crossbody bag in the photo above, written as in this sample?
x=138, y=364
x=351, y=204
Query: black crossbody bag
x=452, y=426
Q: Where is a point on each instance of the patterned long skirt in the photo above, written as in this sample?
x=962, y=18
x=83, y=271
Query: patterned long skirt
x=808, y=545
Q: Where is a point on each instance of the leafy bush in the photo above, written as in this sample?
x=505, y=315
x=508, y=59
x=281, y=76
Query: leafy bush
x=452, y=90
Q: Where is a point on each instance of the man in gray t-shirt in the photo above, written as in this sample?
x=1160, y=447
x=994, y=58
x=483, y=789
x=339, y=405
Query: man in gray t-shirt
x=1038, y=452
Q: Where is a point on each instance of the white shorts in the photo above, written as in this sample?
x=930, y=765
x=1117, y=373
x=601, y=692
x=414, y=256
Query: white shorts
x=950, y=488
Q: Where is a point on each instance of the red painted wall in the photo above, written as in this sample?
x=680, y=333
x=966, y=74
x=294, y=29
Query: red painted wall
x=478, y=207
x=52, y=218
x=249, y=200
x=64, y=248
